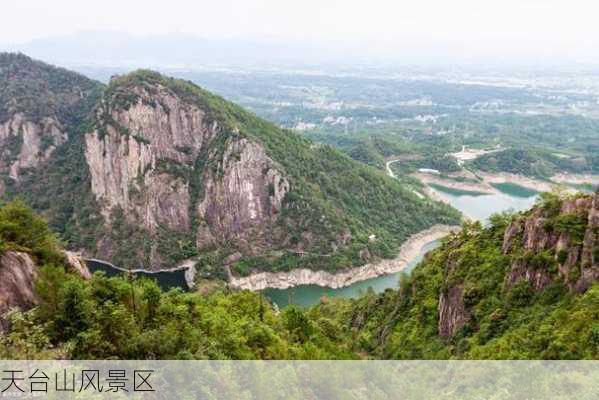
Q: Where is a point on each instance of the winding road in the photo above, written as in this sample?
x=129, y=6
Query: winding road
x=392, y=175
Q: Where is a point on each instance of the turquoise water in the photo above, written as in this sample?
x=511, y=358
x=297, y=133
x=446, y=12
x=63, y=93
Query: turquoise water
x=307, y=295
x=482, y=206
x=479, y=206
x=166, y=280
x=475, y=205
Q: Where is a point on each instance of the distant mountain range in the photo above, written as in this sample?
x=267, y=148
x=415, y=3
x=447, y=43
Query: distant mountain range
x=118, y=49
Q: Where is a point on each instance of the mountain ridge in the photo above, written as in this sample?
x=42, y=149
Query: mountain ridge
x=167, y=171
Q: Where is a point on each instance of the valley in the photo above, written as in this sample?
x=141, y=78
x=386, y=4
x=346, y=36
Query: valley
x=354, y=217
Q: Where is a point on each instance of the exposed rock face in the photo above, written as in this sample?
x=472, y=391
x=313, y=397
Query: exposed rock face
x=538, y=278
x=143, y=158
x=245, y=201
x=576, y=260
x=17, y=277
x=558, y=243
x=452, y=312
x=18, y=272
x=77, y=264
x=26, y=144
x=129, y=162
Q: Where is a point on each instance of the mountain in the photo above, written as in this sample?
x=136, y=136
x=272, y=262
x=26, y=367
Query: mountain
x=39, y=105
x=524, y=287
x=113, y=48
x=154, y=171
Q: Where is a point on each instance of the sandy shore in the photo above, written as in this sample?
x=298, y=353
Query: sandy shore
x=283, y=280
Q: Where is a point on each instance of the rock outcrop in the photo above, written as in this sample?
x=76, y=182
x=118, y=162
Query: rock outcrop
x=244, y=203
x=18, y=272
x=453, y=314
x=26, y=144
x=567, y=239
x=147, y=158
x=556, y=242
x=17, y=277
x=39, y=106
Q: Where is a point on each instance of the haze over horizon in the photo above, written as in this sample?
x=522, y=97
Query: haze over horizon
x=531, y=32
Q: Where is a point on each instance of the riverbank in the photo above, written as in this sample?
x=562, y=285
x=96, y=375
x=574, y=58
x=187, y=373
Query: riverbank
x=284, y=280
x=487, y=180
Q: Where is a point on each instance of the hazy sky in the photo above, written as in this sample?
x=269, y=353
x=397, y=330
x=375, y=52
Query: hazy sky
x=514, y=28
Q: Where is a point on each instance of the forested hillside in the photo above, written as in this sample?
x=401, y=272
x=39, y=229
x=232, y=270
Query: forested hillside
x=151, y=171
x=524, y=287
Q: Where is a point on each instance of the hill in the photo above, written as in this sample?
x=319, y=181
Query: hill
x=39, y=107
x=523, y=288
x=160, y=171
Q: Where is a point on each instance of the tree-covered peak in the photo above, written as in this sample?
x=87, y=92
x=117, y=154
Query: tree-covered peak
x=40, y=90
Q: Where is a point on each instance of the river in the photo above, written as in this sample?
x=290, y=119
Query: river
x=474, y=205
x=307, y=295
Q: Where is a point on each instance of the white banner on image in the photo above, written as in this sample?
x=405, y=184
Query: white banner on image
x=370, y=380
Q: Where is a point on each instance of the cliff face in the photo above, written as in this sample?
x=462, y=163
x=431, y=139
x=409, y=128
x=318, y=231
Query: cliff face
x=130, y=153
x=39, y=105
x=169, y=166
x=18, y=272
x=150, y=172
x=27, y=144
x=243, y=205
x=566, y=238
x=17, y=277
x=556, y=243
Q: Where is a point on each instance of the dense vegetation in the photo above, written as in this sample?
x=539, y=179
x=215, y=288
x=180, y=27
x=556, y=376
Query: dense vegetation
x=61, y=189
x=125, y=318
x=132, y=318
x=505, y=321
x=39, y=90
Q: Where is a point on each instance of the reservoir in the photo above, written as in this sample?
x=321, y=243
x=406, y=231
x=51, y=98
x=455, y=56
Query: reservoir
x=481, y=206
x=474, y=205
x=307, y=295
x=166, y=280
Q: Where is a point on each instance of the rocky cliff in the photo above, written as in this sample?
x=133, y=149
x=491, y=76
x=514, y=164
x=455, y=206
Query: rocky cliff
x=525, y=286
x=180, y=173
x=39, y=106
x=145, y=156
x=18, y=273
x=150, y=171
x=559, y=235
x=555, y=243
